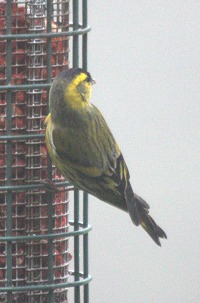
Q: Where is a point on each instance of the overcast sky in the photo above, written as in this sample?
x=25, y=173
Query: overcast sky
x=145, y=57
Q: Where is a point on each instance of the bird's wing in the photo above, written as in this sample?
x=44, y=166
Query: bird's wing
x=90, y=149
x=92, y=160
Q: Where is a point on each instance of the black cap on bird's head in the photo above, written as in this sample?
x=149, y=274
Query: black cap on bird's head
x=71, y=73
x=70, y=91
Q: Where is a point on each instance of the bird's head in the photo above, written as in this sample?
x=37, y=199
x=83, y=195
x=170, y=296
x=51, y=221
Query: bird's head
x=79, y=88
x=71, y=90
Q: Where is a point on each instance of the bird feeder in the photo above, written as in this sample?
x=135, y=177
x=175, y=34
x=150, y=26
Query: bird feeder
x=40, y=240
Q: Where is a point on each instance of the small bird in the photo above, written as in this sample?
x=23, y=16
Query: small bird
x=82, y=146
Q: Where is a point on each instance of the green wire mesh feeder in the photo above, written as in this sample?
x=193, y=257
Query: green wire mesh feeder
x=37, y=264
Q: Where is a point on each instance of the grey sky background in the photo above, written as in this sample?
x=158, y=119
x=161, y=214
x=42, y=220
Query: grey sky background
x=145, y=57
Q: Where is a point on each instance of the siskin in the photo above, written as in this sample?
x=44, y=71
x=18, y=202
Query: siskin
x=82, y=146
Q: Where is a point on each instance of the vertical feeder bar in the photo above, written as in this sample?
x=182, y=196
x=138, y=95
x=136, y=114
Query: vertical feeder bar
x=84, y=39
x=75, y=37
x=35, y=210
x=47, y=259
x=76, y=247
x=85, y=195
x=9, y=153
x=51, y=294
x=76, y=192
x=85, y=247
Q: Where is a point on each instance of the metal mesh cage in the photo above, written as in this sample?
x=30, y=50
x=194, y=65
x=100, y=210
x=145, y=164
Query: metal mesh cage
x=37, y=264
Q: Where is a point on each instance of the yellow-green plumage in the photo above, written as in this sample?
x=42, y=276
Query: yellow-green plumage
x=81, y=145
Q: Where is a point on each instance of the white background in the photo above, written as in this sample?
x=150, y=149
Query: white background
x=145, y=57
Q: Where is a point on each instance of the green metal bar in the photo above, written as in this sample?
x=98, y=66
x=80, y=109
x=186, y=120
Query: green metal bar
x=51, y=294
x=32, y=186
x=75, y=37
x=21, y=137
x=85, y=247
x=76, y=246
x=76, y=233
x=49, y=172
x=78, y=32
x=9, y=156
x=84, y=39
x=46, y=286
x=25, y=86
x=85, y=195
x=49, y=29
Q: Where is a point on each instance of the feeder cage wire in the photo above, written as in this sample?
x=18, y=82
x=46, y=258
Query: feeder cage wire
x=37, y=264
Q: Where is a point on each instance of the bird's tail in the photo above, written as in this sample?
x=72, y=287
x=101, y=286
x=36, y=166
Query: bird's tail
x=139, y=213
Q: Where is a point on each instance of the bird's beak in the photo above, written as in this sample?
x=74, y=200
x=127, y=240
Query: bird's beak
x=93, y=81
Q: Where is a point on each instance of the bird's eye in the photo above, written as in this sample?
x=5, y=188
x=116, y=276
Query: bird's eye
x=90, y=80
x=87, y=80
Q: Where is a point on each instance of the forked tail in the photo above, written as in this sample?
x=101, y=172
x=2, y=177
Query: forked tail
x=139, y=212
